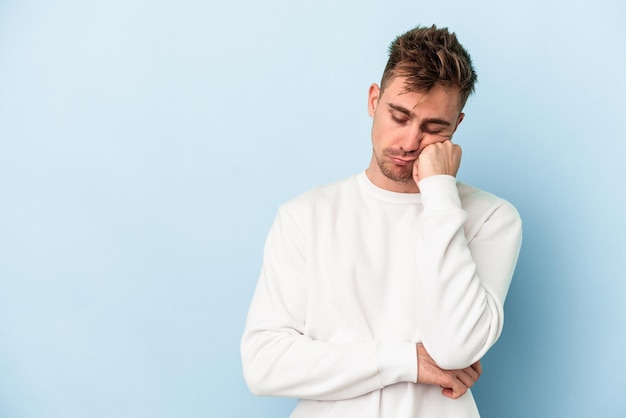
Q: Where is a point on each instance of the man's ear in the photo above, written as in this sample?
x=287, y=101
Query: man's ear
x=372, y=99
x=458, y=122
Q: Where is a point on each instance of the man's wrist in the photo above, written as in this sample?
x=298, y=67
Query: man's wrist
x=397, y=362
x=439, y=192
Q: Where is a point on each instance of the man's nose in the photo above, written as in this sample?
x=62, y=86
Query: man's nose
x=411, y=140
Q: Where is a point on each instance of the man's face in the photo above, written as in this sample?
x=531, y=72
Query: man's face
x=404, y=123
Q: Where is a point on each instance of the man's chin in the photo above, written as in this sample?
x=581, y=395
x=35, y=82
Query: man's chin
x=398, y=174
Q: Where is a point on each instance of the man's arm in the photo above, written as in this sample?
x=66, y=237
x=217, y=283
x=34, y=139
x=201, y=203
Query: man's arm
x=279, y=360
x=463, y=280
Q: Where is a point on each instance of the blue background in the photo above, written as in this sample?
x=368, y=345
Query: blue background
x=145, y=147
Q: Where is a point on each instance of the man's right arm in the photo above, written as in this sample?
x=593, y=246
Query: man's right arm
x=280, y=360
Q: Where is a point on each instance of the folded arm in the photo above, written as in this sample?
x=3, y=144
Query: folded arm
x=279, y=360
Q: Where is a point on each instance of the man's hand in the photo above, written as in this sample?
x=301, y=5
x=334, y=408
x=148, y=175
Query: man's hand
x=437, y=158
x=454, y=383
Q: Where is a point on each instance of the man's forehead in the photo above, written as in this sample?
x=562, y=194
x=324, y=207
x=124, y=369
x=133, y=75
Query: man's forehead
x=402, y=93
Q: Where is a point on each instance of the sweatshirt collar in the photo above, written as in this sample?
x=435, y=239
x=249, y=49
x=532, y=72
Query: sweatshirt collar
x=381, y=194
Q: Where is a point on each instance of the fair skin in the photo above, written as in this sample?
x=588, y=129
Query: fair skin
x=453, y=383
x=412, y=140
x=411, y=135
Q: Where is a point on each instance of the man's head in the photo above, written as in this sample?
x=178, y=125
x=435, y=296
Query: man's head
x=429, y=56
x=425, y=85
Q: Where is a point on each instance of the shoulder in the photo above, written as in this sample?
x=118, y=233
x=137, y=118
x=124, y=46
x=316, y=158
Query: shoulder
x=322, y=196
x=319, y=206
x=483, y=204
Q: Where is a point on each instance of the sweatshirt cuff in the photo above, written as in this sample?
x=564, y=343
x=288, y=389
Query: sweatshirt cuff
x=439, y=192
x=397, y=362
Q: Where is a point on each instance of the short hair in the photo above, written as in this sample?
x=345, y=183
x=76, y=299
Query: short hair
x=430, y=56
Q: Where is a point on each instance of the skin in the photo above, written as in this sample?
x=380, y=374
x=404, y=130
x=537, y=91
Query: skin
x=411, y=135
x=412, y=140
x=453, y=383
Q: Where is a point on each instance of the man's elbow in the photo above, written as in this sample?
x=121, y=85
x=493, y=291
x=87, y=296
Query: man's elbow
x=256, y=379
x=255, y=385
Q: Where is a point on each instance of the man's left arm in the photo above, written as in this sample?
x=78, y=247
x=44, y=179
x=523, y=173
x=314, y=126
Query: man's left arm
x=463, y=281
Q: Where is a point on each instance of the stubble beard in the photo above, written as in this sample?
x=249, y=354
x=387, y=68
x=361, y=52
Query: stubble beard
x=393, y=172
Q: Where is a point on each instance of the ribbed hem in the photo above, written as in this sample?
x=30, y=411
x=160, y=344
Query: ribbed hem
x=397, y=362
x=439, y=193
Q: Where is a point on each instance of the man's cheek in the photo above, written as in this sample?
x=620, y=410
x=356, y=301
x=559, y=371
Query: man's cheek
x=432, y=140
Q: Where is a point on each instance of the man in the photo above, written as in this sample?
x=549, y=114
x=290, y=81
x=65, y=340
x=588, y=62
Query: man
x=379, y=294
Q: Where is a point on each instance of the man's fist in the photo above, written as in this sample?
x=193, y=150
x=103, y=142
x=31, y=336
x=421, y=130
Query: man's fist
x=437, y=158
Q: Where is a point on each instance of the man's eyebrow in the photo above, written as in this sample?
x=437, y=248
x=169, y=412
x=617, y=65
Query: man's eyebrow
x=436, y=121
x=400, y=109
x=407, y=112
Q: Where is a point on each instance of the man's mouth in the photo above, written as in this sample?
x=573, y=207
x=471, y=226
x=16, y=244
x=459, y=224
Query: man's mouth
x=400, y=161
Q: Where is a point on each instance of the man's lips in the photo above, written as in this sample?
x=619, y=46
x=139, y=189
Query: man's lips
x=400, y=161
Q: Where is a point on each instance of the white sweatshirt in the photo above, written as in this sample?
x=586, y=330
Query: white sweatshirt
x=354, y=276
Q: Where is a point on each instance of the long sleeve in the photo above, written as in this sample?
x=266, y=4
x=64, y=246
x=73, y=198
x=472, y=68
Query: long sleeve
x=463, y=275
x=354, y=276
x=280, y=360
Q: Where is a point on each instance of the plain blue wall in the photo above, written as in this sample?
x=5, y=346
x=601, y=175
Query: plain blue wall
x=145, y=147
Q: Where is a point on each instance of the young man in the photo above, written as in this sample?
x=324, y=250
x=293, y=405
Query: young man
x=379, y=294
